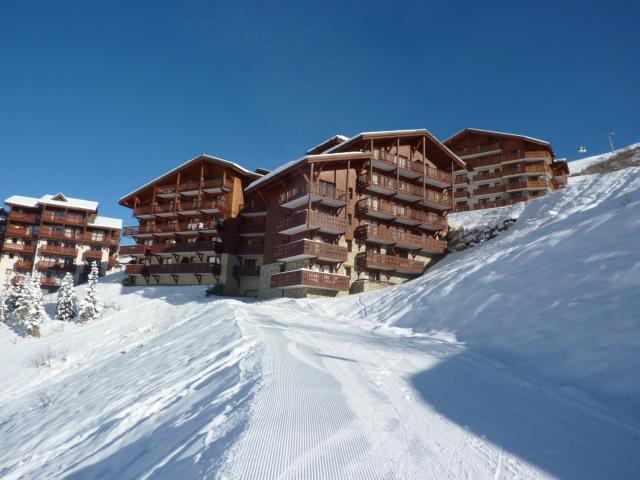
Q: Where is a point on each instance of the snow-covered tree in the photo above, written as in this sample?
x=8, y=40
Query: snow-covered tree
x=29, y=310
x=67, y=301
x=89, y=307
x=3, y=307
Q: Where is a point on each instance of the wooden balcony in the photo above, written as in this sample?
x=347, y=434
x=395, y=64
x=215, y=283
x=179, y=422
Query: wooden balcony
x=252, y=230
x=257, y=249
x=194, y=187
x=437, y=200
x=19, y=248
x=173, y=209
x=170, y=229
x=205, y=247
x=311, y=279
x=389, y=263
x=56, y=217
x=44, y=265
x=312, y=220
x=462, y=193
x=323, y=193
x=253, y=209
x=477, y=150
x=60, y=251
x=50, y=282
x=93, y=255
x=401, y=214
x=244, y=271
x=486, y=176
x=528, y=185
x=388, y=161
x=136, y=269
x=377, y=183
x=462, y=180
x=306, y=249
x=174, y=269
x=24, y=217
x=491, y=161
x=102, y=239
x=376, y=234
x=23, y=265
x=516, y=170
x=58, y=234
x=531, y=156
x=489, y=190
x=134, y=250
x=380, y=235
x=20, y=232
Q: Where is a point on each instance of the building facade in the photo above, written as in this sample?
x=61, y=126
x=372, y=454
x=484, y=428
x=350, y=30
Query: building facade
x=195, y=227
x=503, y=169
x=53, y=235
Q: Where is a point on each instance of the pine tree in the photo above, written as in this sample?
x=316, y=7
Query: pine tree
x=29, y=310
x=3, y=307
x=67, y=301
x=89, y=308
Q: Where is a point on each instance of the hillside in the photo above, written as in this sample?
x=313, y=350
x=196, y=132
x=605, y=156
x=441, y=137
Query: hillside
x=607, y=162
x=516, y=358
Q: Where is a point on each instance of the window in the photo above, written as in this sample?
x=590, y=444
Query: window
x=349, y=245
x=249, y=262
x=347, y=271
x=350, y=193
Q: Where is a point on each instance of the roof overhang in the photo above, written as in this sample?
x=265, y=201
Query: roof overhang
x=498, y=134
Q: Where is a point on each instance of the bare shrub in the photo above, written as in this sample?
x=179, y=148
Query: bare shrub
x=46, y=357
x=45, y=399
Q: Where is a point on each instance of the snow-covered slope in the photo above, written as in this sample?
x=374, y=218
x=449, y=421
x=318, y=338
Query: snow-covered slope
x=579, y=166
x=517, y=358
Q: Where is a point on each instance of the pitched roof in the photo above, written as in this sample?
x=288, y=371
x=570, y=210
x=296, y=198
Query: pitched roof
x=105, y=222
x=501, y=134
x=58, y=200
x=336, y=138
x=204, y=156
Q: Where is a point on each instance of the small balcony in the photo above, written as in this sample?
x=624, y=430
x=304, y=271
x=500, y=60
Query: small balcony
x=21, y=232
x=528, y=185
x=250, y=250
x=462, y=193
x=531, y=156
x=100, y=238
x=380, y=235
x=487, y=176
x=252, y=230
x=253, y=209
x=23, y=265
x=19, y=248
x=50, y=282
x=306, y=249
x=173, y=209
x=183, y=248
x=64, y=218
x=401, y=214
x=24, y=217
x=45, y=265
x=462, y=180
x=478, y=192
x=388, y=263
x=323, y=193
x=376, y=234
x=171, y=229
x=491, y=161
x=246, y=271
x=174, y=269
x=193, y=188
x=59, y=250
x=59, y=234
x=134, y=250
x=377, y=183
x=136, y=269
x=93, y=255
x=517, y=170
x=306, y=220
x=471, y=152
x=310, y=279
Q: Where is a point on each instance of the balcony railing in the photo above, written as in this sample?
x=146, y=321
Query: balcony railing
x=91, y=237
x=15, y=231
x=250, y=249
x=252, y=229
x=374, y=233
x=185, y=247
x=484, y=162
x=388, y=210
x=174, y=269
x=252, y=208
x=309, y=278
x=222, y=183
x=93, y=255
x=50, y=282
x=463, y=152
x=527, y=185
x=462, y=180
x=178, y=227
x=310, y=249
x=23, y=265
x=53, y=265
x=401, y=239
x=527, y=156
x=246, y=271
x=480, y=176
x=319, y=191
x=312, y=220
x=524, y=169
x=204, y=205
x=461, y=193
x=57, y=217
x=60, y=251
x=133, y=250
x=24, y=217
x=489, y=190
x=49, y=232
x=19, y=248
x=379, y=261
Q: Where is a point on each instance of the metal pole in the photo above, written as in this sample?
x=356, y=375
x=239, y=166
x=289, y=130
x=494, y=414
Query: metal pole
x=609, y=135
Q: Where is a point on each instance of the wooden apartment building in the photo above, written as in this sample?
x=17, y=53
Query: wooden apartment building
x=503, y=169
x=190, y=222
x=55, y=234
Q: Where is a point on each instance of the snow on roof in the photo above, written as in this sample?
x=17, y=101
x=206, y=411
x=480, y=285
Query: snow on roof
x=379, y=133
x=532, y=139
x=335, y=137
x=105, y=222
x=228, y=163
x=59, y=200
x=274, y=173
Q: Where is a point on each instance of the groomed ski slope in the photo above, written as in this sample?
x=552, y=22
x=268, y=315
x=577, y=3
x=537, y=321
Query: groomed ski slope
x=514, y=359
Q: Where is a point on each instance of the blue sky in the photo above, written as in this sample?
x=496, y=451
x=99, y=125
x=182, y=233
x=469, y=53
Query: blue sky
x=97, y=98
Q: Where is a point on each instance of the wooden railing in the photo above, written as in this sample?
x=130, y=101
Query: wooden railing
x=523, y=169
x=90, y=237
x=311, y=248
x=19, y=248
x=252, y=228
x=308, y=278
x=133, y=250
x=463, y=152
x=379, y=261
x=394, y=236
x=50, y=282
x=49, y=232
x=518, y=155
x=170, y=227
x=484, y=162
x=250, y=249
x=179, y=207
x=185, y=247
x=314, y=219
x=374, y=232
x=23, y=265
x=174, y=269
x=461, y=193
x=462, y=180
x=253, y=206
x=320, y=189
x=245, y=271
x=489, y=190
x=24, y=217
x=528, y=184
x=480, y=176
x=63, y=218
x=60, y=251
x=398, y=210
x=93, y=255
x=54, y=265
x=196, y=185
x=16, y=231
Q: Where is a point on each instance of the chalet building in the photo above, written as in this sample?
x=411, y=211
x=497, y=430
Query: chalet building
x=353, y=214
x=196, y=226
x=55, y=234
x=503, y=168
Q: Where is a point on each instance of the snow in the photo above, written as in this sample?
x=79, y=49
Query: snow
x=21, y=201
x=517, y=358
x=531, y=139
x=578, y=166
x=67, y=202
x=342, y=138
x=106, y=222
